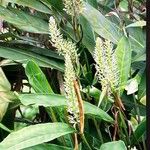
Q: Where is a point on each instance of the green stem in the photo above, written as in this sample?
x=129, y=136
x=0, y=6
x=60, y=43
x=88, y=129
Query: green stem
x=125, y=127
x=86, y=142
x=54, y=119
x=98, y=131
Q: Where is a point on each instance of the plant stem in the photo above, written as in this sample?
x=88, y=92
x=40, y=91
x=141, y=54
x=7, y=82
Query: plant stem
x=98, y=131
x=86, y=142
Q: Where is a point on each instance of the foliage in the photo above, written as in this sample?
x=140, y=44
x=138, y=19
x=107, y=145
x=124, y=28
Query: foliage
x=72, y=74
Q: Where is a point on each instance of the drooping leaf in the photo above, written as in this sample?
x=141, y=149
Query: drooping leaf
x=37, y=5
x=113, y=145
x=55, y=100
x=34, y=135
x=24, y=21
x=123, y=54
x=30, y=48
x=23, y=56
x=101, y=25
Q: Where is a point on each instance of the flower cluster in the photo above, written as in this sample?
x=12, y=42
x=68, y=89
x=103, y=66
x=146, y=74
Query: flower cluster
x=63, y=46
x=68, y=49
x=73, y=108
x=106, y=66
x=73, y=7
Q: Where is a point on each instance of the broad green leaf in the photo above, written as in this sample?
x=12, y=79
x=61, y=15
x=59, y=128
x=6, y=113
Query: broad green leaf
x=30, y=48
x=24, y=21
x=35, y=4
x=34, y=135
x=137, y=24
x=23, y=56
x=37, y=78
x=137, y=37
x=109, y=30
x=123, y=54
x=94, y=111
x=142, y=87
x=139, y=132
x=55, y=100
x=113, y=146
x=88, y=34
x=101, y=25
x=6, y=96
x=48, y=147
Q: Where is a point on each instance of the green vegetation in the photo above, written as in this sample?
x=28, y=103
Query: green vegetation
x=72, y=75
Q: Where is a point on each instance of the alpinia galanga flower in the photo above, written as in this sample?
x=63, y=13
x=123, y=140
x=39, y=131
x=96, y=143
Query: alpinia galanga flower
x=73, y=7
x=106, y=66
x=73, y=108
x=63, y=46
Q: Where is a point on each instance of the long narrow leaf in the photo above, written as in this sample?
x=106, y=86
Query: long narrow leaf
x=123, y=53
x=55, y=100
x=24, y=56
x=34, y=135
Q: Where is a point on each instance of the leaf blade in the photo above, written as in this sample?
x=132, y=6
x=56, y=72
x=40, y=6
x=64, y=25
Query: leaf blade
x=35, y=134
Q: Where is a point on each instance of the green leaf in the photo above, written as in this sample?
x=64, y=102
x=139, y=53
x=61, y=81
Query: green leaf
x=113, y=146
x=93, y=3
x=37, y=79
x=4, y=128
x=88, y=34
x=34, y=135
x=101, y=25
x=57, y=5
x=94, y=111
x=23, y=56
x=123, y=54
x=137, y=37
x=139, y=132
x=30, y=48
x=108, y=30
x=24, y=21
x=137, y=24
x=93, y=92
x=55, y=100
x=35, y=4
x=6, y=96
x=142, y=87
x=138, y=57
x=48, y=147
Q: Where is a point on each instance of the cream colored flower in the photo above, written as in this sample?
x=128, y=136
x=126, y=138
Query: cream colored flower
x=63, y=46
x=73, y=108
x=106, y=66
x=73, y=7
